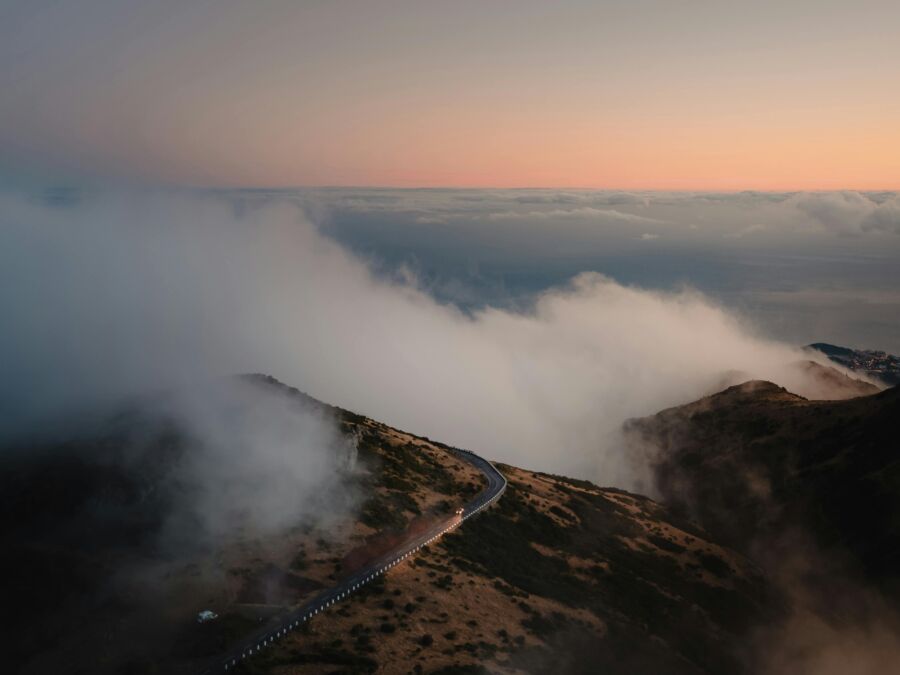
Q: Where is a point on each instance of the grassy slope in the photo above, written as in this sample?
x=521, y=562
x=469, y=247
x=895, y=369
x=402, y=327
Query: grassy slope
x=559, y=576
x=74, y=517
x=755, y=462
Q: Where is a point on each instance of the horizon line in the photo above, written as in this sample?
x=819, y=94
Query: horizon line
x=533, y=187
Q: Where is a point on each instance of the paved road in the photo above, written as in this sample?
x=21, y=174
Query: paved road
x=264, y=638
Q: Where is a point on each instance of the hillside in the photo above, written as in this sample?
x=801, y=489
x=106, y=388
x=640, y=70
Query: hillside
x=559, y=576
x=811, y=491
x=827, y=383
x=90, y=561
x=754, y=461
x=876, y=364
x=765, y=499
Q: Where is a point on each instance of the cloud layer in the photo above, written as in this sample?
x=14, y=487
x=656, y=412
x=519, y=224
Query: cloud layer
x=750, y=250
x=106, y=294
x=255, y=461
x=853, y=213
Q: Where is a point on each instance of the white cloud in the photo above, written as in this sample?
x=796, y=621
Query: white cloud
x=123, y=292
x=431, y=220
x=884, y=218
x=852, y=213
x=750, y=229
x=257, y=459
x=583, y=212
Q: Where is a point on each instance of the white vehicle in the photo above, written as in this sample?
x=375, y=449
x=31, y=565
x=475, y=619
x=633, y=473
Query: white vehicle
x=206, y=615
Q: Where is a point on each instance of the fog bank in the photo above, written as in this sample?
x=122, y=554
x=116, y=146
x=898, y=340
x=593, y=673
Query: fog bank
x=256, y=461
x=112, y=293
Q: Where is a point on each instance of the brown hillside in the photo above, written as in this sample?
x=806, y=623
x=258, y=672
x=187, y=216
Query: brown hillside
x=559, y=576
x=754, y=462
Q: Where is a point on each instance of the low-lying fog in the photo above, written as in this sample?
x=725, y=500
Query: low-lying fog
x=111, y=293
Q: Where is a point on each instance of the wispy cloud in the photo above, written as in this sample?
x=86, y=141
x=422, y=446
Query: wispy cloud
x=118, y=292
x=584, y=212
x=852, y=213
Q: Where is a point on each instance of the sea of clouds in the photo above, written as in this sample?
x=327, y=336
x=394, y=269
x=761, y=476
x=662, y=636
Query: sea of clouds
x=112, y=293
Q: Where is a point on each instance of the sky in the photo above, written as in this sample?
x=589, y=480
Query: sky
x=645, y=94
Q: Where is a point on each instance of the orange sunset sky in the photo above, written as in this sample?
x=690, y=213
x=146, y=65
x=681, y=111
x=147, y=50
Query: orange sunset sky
x=635, y=95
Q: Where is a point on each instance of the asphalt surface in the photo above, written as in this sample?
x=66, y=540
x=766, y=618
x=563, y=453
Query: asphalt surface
x=267, y=636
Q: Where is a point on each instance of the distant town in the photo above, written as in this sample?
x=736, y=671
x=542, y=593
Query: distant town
x=880, y=365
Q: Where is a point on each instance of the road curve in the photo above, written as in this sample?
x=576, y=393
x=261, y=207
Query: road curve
x=264, y=638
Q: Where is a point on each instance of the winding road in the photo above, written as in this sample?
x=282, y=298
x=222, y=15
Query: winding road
x=264, y=638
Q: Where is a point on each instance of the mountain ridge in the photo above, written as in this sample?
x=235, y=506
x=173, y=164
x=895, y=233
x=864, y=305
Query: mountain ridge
x=558, y=567
x=873, y=363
